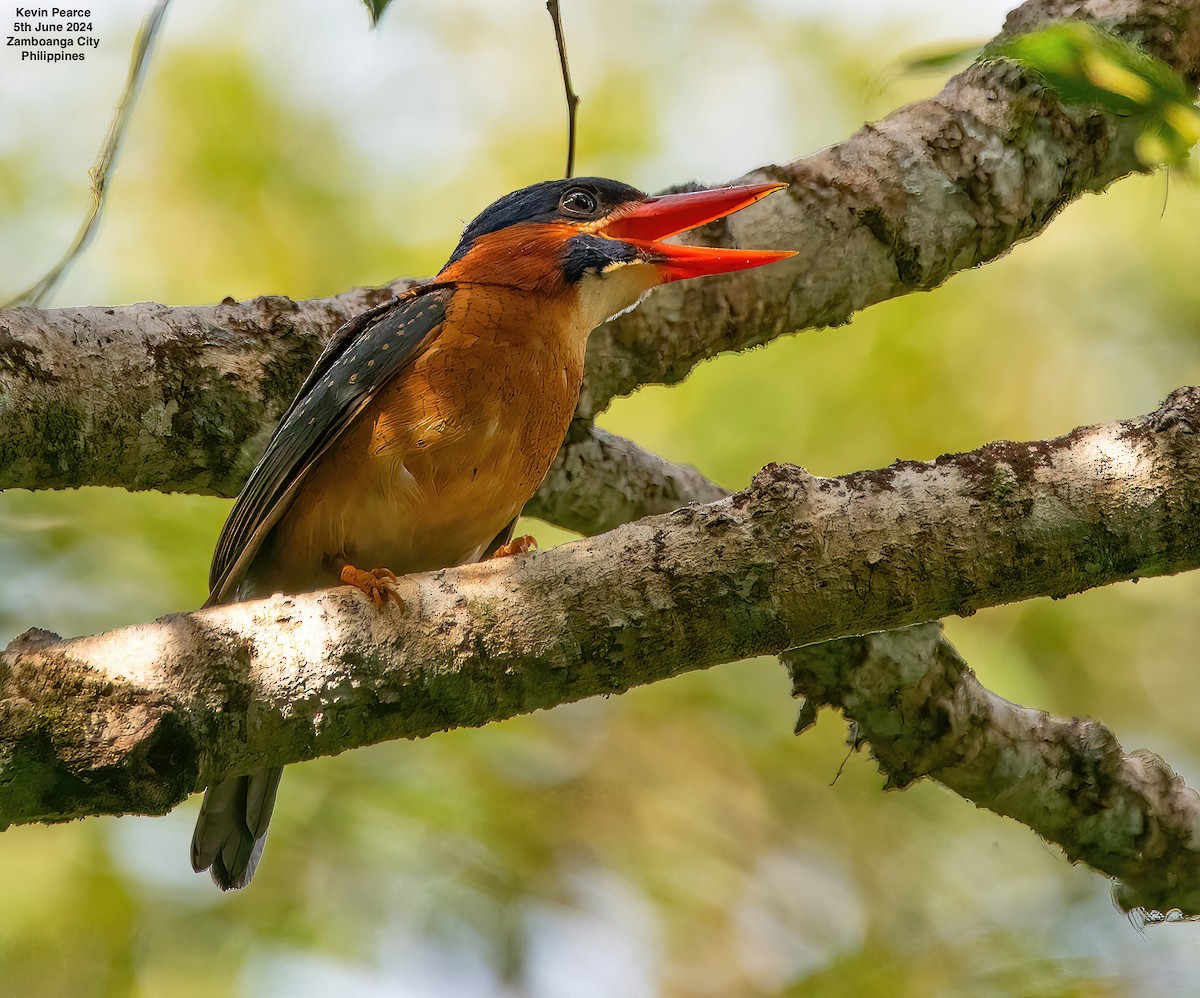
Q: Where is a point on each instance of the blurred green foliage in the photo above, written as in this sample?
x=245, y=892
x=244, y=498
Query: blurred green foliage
x=677, y=840
x=1084, y=64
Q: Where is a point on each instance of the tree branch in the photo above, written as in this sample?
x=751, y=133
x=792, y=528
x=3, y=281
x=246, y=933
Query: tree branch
x=133, y=720
x=599, y=481
x=925, y=714
x=179, y=398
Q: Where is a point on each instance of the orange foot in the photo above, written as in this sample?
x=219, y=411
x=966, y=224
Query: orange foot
x=518, y=545
x=373, y=583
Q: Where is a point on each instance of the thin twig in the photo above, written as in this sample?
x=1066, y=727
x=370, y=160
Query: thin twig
x=102, y=168
x=572, y=97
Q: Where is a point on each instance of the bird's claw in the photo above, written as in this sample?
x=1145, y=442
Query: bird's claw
x=373, y=584
x=518, y=545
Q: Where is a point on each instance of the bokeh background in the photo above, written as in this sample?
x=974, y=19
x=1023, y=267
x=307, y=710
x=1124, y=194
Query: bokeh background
x=677, y=840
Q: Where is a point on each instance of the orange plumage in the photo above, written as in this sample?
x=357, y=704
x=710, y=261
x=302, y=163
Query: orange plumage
x=446, y=454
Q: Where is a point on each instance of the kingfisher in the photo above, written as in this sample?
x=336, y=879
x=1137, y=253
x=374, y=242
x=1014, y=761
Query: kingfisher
x=429, y=421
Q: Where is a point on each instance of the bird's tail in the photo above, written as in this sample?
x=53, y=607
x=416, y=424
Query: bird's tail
x=232, y=827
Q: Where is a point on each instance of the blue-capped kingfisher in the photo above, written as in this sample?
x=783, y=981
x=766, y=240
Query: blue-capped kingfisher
x=429, y=421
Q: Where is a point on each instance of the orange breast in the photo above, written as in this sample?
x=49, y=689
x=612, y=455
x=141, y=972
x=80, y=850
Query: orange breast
x=445, y=455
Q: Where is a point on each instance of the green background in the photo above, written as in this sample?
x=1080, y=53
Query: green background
x=677, y=840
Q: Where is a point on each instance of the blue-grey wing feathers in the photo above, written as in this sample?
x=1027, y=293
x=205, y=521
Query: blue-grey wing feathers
x=362, y=356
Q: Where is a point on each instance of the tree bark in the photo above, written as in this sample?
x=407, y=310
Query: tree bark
x=134, y=720
x=180, y=398
x=923, y=713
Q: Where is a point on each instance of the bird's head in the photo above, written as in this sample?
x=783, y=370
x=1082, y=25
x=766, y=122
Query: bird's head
x=599, y=240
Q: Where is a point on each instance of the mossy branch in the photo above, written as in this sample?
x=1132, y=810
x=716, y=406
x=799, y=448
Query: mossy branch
x=181, y=398
x=133, y=720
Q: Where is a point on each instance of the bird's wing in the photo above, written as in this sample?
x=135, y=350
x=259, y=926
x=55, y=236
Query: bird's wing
x=337, y=344
x=360, y=358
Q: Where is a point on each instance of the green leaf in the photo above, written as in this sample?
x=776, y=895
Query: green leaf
x=1085, y=65
x=376, y=9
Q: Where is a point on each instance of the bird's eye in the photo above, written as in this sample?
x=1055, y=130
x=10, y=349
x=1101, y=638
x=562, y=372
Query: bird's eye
x=577, y=201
